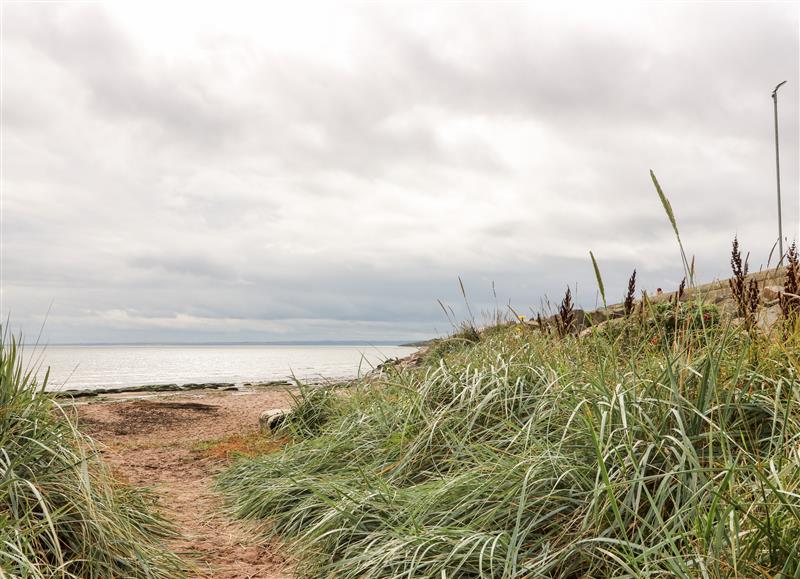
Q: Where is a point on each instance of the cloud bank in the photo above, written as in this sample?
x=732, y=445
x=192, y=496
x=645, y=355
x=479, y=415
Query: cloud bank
x=196, y=173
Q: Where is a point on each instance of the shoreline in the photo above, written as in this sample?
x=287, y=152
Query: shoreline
x=73, y=393
x=281, y=383
x=166, y=388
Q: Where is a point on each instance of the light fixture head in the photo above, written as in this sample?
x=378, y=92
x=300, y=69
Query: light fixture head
x=775, y=92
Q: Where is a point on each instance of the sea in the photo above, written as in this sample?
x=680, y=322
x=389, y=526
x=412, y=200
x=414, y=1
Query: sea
x=118, y=366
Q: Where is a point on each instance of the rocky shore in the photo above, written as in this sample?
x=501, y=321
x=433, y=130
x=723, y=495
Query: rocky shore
x=147, y=388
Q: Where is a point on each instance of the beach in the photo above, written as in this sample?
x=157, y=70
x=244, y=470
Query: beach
x=174, y=444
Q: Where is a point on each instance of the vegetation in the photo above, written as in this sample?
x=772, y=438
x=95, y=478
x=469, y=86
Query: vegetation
x=312, y=408
x=247, y=443
x=688, y=318
x=565, y=320
x=61, y=513
x=630, y=295
x=790, y=299
x=663, y=444
x=658, y=451
x=745, y=291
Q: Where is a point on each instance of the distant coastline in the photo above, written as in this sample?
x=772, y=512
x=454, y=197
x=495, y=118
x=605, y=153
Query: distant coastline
x=246, y=343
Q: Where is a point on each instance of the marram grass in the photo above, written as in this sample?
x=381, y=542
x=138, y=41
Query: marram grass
x=61, y=513
x=632, y=452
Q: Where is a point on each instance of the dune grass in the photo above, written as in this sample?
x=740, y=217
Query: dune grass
x=645, y=449
x=61, y=512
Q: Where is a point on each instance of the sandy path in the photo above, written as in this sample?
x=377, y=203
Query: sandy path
x=174, y=445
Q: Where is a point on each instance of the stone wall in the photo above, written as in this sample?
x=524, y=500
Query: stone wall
x=717, y=293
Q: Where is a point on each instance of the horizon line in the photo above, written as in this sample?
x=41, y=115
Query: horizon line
x=239, y=343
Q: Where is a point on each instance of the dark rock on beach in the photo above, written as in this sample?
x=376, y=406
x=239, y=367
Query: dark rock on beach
x=268, y=384
x=145, y=388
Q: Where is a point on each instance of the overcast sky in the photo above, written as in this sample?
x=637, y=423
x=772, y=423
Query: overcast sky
x=189, y=172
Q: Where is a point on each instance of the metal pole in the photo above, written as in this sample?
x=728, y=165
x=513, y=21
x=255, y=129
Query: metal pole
x=778, y=173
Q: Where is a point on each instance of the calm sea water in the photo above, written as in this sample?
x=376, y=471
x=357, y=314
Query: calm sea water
x=88, y=367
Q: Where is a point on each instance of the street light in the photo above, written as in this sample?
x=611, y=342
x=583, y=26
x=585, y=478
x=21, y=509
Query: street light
x=778, y=172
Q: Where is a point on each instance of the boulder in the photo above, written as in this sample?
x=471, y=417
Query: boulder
x=592, y=329
x=267, y=384
x=610, y=323
x=719, y=298
x=272, y=419
x=771, y=293
x=768, y=317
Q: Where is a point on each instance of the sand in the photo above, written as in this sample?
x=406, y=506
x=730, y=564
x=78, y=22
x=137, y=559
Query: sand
x=174, y=444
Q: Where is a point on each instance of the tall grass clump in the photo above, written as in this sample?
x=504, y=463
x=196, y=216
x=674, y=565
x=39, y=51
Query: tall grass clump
x=312, y=409
x=61, y=513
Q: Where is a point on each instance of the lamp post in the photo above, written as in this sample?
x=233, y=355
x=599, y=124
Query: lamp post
x=778, y=172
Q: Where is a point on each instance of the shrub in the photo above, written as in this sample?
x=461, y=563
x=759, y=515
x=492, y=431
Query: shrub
x=687, y=318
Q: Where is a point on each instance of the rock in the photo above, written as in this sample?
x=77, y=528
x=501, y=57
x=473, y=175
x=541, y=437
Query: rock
x=611, y=323
x=771, y=293
x=727, y=308
x=76, y=393
x=719, y=298
x=388, y=363
x=768, y=317
x=591, y=330
x=596, y=317
x=272, y=419
x=145, y=388
x=269, y=384
x=581, y=320
x=160, y=388
x=206, y=386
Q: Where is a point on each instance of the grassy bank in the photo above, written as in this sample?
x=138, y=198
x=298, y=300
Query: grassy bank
x=662, y=443
x=643, y=449
x=61, y=512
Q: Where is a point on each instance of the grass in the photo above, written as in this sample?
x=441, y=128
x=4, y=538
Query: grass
x=247, y=444
x=660, y=444
x=655, y=449
x=61, y=512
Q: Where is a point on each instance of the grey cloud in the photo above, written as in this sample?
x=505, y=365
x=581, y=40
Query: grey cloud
x=239, y=191
x=88, y=43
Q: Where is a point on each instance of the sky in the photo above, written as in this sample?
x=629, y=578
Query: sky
x=190, y=172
